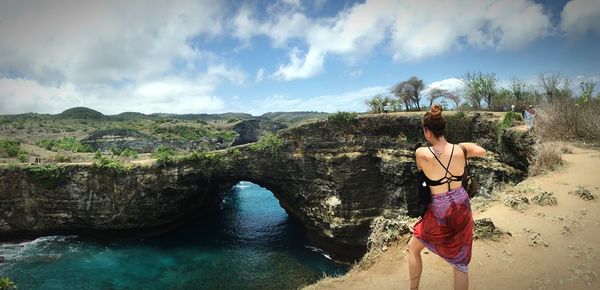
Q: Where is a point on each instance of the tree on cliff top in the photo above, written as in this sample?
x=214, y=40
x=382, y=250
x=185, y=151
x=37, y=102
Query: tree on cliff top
x=409, y=92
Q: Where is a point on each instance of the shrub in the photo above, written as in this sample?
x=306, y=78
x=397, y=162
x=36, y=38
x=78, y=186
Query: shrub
x=548, y=158
x=567, y=120
x=164, y=155
x=7, y=284
x=210, y=162
x=342, y=117
x=66, y=143
x=105, y=163
x=9, y=148
x=22, y=156
x=268, y=143
x=47, y=175
x=510, y=118
x=129, y=153
x=62, y=158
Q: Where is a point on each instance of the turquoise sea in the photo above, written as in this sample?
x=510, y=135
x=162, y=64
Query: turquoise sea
x=250, y=244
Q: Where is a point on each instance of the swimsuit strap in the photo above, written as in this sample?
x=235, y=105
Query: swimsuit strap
x=448, y=180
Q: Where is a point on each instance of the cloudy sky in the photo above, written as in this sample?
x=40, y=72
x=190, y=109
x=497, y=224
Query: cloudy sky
x=288, y=55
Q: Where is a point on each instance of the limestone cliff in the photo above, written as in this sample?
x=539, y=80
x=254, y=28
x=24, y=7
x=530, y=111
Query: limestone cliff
x=334, y=177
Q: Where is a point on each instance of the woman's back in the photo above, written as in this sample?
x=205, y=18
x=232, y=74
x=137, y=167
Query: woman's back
x=443, y=166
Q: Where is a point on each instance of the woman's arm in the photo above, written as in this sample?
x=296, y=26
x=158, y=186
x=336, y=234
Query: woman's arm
x=473, y=150
x=420, y=157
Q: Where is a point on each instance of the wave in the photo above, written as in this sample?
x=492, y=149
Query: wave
x=318, y=250
x=13, y=251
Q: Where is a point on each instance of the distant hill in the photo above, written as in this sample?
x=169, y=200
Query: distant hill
x=207, y=117
x=80, y=113
x=294, y=117
x=130, y=116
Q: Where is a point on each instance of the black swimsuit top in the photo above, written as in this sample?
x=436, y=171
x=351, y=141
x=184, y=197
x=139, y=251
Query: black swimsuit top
x=446, y=179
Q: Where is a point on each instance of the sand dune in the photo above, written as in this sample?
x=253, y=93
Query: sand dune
x=549, y=247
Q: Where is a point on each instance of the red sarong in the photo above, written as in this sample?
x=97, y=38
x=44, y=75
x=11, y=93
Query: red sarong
x=446, y=229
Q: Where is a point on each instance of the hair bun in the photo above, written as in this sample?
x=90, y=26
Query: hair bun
x=436, y=111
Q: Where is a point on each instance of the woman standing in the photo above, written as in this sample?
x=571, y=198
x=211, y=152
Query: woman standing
x=446, y=228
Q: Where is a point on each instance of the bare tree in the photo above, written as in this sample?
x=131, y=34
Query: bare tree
x=401, y=91
x=518, y=89
x=415, y=86
x=376, y=103
x=454, y=98
x=554, y=86
x=587, y=89
x=436, y=93
x=479, y=87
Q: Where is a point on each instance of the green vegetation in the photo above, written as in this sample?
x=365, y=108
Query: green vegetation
x=181, y=133
x=342, y=117
x=128, y=153
x=269, y=143
x=12, y=149
x=510, y=118
x=7, y=284
x=210, y=162
x=165, y=156
x=48, y=175
x=66, y=143
x=80, y=113
x=109, y=164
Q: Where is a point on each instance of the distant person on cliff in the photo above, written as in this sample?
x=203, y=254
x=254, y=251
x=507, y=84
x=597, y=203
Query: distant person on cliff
x=446, y=228
x=529, y=116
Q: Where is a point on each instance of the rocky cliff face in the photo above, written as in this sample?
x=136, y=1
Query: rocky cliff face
x=251, y=130
x=336, y=178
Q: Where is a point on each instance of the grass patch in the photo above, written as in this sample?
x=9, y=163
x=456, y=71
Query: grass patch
x=47, y=175
x=269, y=143
x=548, y=158
x=66, y=143
x=568, y=120
x=109, y=164
x=342, y=117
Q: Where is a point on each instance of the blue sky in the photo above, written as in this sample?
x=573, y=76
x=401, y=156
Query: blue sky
x=287, y=55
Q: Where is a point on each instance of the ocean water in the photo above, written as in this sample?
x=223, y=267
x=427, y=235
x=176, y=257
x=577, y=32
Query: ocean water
x=249, y=244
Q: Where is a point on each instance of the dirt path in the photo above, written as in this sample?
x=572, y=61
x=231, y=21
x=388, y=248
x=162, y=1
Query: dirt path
x=551, y=247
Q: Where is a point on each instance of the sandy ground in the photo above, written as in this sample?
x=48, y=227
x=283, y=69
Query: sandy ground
x=549, y=247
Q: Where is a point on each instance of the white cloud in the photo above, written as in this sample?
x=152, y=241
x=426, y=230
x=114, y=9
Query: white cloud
x=411, y=30
x=348, y=101
x=451, y=84
x=301, y=67
x=260, y=74
x=167, y=95
x=424, y=29
x=580, y=17
x=102, y=41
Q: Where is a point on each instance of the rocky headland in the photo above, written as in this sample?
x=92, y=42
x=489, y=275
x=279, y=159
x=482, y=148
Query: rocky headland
x=336, y=177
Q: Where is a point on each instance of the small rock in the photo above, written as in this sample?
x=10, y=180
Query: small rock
x=567, y=231
x=516, y=201
x=485, y=229
x=545, y=198
x=584, y=193
x=2, y=259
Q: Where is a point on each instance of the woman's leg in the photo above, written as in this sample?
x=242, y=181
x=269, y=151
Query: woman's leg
x=415, y=265
x=461, y=280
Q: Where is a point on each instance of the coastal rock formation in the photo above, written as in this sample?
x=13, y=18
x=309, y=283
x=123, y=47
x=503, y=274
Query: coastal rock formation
x=250, y=131
x=335, y=177
x=105, y=140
